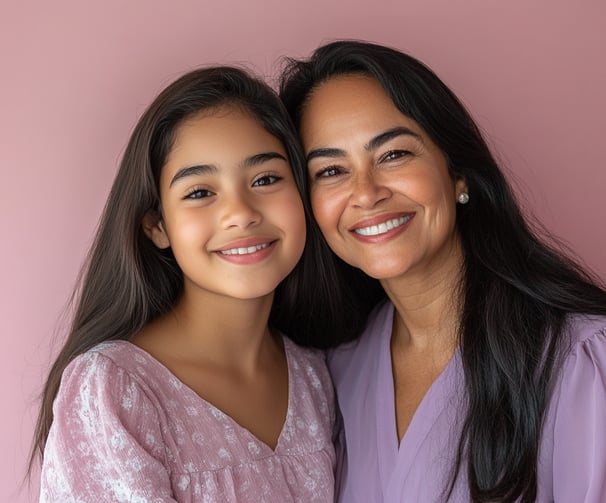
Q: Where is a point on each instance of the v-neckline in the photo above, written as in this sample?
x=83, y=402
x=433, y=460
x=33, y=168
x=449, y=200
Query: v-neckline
x=402, y=453
x=218, y=413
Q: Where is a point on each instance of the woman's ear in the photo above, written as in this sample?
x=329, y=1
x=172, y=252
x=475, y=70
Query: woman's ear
x=154, y=229
x=460, y=187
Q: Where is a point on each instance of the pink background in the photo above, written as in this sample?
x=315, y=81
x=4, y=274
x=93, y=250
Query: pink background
x=76, y=75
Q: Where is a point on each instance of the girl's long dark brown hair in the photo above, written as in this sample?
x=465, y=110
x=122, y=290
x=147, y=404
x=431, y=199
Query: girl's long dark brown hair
x=126, y=281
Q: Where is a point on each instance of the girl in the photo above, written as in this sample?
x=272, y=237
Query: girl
x=174, y=383
x=480, y=375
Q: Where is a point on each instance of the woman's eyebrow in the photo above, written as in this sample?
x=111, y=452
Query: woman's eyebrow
x=390, y=134
x=325, y=152
x=373, y=144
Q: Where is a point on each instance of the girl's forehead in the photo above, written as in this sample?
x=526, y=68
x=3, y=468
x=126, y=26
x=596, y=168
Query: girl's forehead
x=220, y=110
x=225, y=137
x=227, y=122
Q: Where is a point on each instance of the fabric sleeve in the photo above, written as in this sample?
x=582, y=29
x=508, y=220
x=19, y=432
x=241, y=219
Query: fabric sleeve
x=579, y=434
x=341, y=454
x=105, y=442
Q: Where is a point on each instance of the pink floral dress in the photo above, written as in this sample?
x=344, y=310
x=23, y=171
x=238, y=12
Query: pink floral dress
x=125, y=429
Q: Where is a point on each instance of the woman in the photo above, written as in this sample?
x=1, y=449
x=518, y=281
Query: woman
x=482, y=376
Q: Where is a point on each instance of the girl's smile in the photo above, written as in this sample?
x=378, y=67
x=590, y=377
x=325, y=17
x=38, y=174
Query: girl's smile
x=247, y=251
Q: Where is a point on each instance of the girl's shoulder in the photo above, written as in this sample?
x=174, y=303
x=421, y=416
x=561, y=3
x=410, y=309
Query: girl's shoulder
x=308, y=372
x=111, y=357
x=106, y=384
x=298, y=353
x=308, y=364
x=115, y=369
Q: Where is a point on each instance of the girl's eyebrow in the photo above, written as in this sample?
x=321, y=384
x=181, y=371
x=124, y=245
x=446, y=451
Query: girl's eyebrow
x=211, y=169
x=255, y=160
x=202, y=169
x=373, y=144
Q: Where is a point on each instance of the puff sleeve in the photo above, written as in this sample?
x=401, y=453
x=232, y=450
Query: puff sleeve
x=105, y=443
x=579, y=422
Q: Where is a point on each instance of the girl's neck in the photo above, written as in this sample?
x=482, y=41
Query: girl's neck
x=211, y=329
x=222, y=350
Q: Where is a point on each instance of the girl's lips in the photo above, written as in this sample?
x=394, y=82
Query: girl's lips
x=245, y=250
x=244, y=253
x=241, y=245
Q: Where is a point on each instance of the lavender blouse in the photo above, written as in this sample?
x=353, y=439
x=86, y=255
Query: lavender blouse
x=125, y=429
x=374, y=468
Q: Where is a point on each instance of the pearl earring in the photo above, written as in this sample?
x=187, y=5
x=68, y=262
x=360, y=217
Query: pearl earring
x=463, y=198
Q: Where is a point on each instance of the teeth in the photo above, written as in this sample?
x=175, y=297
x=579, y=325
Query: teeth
x=375, y=230
x=244, y=251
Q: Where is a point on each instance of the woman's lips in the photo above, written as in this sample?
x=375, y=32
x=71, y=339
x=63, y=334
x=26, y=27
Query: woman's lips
x=381, y=228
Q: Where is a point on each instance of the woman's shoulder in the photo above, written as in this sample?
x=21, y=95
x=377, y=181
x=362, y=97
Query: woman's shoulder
x=585, y=330
x=379, y=322
x=571, y=465
x=584, y=349
x=364, y=351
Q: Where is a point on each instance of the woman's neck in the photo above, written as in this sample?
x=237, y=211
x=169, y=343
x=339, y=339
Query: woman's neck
x=428, y=305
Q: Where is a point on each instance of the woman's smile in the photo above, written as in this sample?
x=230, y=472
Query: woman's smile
x=382, y=227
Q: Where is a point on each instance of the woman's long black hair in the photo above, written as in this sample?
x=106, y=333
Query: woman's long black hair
x=127, y=281
x=517, y=287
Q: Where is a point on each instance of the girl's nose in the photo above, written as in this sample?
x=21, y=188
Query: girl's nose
x=239, y=211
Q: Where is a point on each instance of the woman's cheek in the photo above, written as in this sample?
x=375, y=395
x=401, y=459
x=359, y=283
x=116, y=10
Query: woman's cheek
x=323, y=213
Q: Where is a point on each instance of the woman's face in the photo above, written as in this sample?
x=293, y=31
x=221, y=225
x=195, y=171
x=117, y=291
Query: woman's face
x=380, y=188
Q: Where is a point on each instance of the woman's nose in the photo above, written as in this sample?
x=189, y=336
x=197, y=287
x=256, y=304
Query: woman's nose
x=367, y=190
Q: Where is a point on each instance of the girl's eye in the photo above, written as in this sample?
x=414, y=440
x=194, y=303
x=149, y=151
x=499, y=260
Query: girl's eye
x=266, y=180
x=394, y=155
x=199, y=194
x=327, y=172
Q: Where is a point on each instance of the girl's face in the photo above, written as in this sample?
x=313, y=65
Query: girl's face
x=380, y=188
x=231, y=211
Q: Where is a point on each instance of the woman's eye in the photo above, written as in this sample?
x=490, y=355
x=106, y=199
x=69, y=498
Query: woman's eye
x=394, y=155
x=327, y=172
x=266, y=180
x=199, y=194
